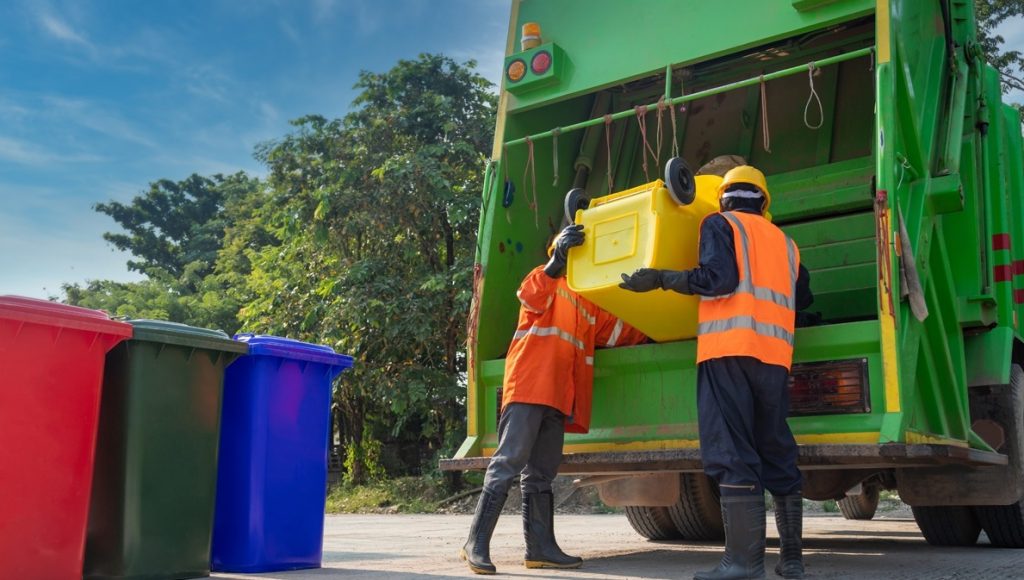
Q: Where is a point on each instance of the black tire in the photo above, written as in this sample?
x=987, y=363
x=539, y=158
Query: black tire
x=652, y=523
x=680, y=182
x=947, y=525
x=861, y=506
x=698, y=513
x=1004, y=524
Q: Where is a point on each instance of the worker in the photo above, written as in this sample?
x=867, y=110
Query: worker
x=547, y=390
x=751, y=284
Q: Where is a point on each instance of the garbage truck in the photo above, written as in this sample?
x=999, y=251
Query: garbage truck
x=895, y=166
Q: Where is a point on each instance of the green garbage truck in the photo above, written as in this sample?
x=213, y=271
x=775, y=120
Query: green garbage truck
x=894, y=165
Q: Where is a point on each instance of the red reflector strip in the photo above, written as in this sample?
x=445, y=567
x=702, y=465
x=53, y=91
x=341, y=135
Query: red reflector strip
x=1001, y=242
x=1003, y=273
x=1018, y=267
x=1018, y=296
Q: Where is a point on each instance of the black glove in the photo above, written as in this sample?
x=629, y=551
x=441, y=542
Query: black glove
x=570, y=237
x=643, y=280
x=676, y=280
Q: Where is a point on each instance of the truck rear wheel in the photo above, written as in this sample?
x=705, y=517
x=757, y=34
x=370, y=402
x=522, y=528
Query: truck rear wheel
x=861, y=506
x=652, y=522
x=947, y=525
x=698, y=513
x=1003, y=524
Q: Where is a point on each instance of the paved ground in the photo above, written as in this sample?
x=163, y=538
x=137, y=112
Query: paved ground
x=421, y=547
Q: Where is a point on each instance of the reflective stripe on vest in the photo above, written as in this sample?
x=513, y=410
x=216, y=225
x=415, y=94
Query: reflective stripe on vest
x=746, y=320
x=550, y=331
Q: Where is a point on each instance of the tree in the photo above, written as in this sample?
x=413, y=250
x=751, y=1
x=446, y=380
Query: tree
x=178, y=230
x=1010, y=63
x=376, y=216
x=176, y=226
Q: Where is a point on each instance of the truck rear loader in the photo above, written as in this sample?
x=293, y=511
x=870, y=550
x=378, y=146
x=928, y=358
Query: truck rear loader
x=894, y=165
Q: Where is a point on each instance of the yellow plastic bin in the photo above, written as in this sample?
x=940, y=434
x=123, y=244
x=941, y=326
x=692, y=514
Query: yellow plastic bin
x=642, y=228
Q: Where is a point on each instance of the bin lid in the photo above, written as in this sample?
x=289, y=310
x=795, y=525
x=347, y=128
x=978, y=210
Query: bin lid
x=184, y=335
x=262, y=344
x=61, y=315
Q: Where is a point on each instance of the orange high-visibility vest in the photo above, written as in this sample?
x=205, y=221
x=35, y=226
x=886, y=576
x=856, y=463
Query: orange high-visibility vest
x=758, y=319
x=551, y=359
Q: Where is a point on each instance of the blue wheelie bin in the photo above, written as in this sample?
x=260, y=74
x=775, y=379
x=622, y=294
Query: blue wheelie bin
x=272, y=466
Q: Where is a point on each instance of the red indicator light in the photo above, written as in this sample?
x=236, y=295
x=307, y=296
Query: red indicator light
x=541, y=62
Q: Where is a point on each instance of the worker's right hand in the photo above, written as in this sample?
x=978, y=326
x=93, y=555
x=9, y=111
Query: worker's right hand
x=643, y=280
x=569, y=237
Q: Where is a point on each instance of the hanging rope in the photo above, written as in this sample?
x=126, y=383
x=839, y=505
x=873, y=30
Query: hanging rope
x=675, y=140
x=813, y=96
x=641, y=120
x=871, y=60
x=532, y=170
x=506, y=200
x=766, y=136
x=554, y=153
x=661, y=112
x=608, y=147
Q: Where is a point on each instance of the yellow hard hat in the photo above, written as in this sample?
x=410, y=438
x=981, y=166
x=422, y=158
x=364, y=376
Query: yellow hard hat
x=746, y=174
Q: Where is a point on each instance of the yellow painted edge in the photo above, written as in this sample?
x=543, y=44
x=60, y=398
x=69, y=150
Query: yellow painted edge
x=510, y=42
x=849, y=438
x=882, y=32
x=817, y=438
x=887, y=322
x=913, y=437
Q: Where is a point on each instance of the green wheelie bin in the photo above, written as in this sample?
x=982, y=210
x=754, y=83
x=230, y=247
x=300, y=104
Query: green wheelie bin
x=155, y=478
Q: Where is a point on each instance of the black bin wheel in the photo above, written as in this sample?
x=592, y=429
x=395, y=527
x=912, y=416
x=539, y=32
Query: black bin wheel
x=680, y=182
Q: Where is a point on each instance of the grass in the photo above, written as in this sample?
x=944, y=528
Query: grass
x=407, y=495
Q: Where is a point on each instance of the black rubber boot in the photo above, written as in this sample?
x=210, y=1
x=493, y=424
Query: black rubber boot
x=542, y=550
x=789, y=517
x=477, y=550
x=744, y=519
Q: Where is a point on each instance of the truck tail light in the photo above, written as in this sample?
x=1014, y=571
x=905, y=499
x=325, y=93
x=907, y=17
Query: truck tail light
x=829, y=388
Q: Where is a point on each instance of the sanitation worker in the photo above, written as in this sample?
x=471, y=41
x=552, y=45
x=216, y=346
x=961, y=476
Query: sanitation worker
x=751, y=284
x=547, y=390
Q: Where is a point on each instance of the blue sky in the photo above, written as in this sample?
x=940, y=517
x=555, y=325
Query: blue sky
x=100, y=97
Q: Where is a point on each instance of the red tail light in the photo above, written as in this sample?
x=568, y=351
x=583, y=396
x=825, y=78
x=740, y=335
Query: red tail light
x=829, y=388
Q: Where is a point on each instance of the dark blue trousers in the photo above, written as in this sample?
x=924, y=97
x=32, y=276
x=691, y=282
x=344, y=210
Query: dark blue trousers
x=745, y=442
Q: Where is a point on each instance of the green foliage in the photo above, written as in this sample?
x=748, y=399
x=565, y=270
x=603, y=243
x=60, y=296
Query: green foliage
x=376, y=219
x=414, y=495
x=990, y=14
x=365, y=455
x=185, y=235
x=362, y=237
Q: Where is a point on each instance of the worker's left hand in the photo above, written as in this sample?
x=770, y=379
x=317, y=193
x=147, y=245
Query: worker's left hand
x=643, y=280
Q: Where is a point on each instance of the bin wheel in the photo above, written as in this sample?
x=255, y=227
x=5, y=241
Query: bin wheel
x=652, y=522
x=680, y=182
x=861, y=506
x=698, y=513
x=947, y=525
x=575, y=200
x=1004, y=524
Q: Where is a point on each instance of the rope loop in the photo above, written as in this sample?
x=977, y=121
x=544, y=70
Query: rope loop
x=531, y=169
x=608, y=147
x=765, y=134
x=813, y=97
x=554, y=153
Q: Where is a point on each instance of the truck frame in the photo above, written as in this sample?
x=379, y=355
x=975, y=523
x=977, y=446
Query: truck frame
x=895, y=167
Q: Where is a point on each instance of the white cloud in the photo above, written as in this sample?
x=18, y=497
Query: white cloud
x=97, y=117
x=61, y=30
x=21, y=152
